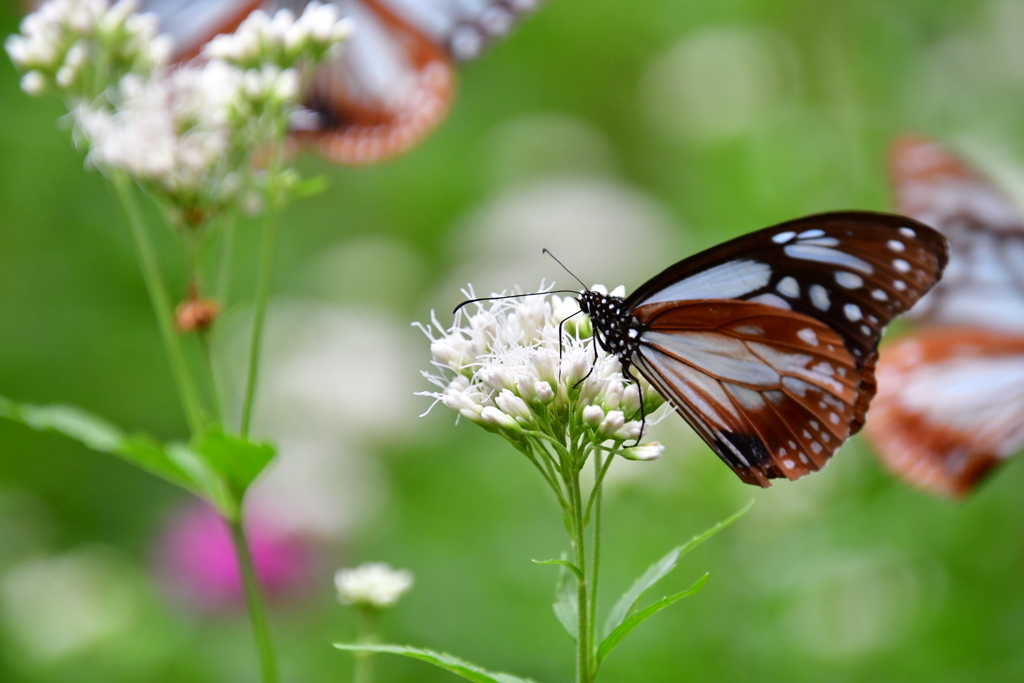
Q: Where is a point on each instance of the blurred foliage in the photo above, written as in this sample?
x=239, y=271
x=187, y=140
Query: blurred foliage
x=733, y=114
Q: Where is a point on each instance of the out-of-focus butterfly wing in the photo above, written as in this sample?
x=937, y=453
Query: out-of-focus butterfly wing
x=191, y=23
x=853, y=271
x=390, y=86
x=773, y=392
x=463, y=27
x=386, y=90
x=950, y=406
x=984, y=283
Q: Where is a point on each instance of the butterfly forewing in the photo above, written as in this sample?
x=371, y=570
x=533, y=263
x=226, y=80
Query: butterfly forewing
x=853, y=271
x=950, y=406
x=773, y=392
x=984, y=283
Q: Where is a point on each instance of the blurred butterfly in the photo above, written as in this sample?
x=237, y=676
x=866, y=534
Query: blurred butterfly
x=766, y=345
x=951, y=394
x=394, y=81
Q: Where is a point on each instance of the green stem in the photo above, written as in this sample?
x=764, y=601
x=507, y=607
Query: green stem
x=224, y=268
x=257, y=609
x=583, y=653
x=160, y=301
x=599, y=471
x=262, y=296
x=363, y=671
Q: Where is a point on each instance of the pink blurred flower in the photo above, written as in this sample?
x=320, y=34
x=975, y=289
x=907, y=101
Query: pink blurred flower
x=196, y=560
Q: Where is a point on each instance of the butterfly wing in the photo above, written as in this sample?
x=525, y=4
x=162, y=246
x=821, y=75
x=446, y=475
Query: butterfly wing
x=773, y=392
x=984, y=283
x=950, y=406
x=766, y=345
x=463, y=27
x=853, y=271
x=393, y=82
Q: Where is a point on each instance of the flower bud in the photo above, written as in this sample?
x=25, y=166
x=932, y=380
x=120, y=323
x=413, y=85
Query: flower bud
x=645, y=451
x=33, y=83
x=630, y=401
x=593, y=415
x=196, y=315
x=496, y=418
x=543, y=392
x=512, y=405
x=612, y=422
x=630, y=431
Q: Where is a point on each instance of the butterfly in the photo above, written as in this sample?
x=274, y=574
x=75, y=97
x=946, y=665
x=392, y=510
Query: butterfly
x=766, y=345
x=393, y=82
x=950, y=405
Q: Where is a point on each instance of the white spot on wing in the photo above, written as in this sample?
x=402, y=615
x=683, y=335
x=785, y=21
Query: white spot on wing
x=879, y=295
x=808, y=336
x=783, y=237
x=819, y=297
x=808, y=252
x=807, y=234
x=901, y=265
x=849, y=280
x=816, y=447
x=771, y=300
x=729, y=280
x=788, y=286
x=896, y=245
x=789, y=464
x=907, y=232
x=748, y=329
x=900, y=285
x=852, y=312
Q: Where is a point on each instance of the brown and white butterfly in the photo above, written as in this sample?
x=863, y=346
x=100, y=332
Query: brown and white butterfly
x=766, y=344
x=395, y=79
x=950, y=405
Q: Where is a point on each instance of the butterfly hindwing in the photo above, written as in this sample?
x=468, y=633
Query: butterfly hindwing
x=853, y=271
x=773, y=392
x=984, y=283
x=950, y=406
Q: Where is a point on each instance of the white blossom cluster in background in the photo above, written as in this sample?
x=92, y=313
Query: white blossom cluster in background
x=500, y=367
x=187, y=132
x=374, y=584
x=282, y=39
x=57, y=43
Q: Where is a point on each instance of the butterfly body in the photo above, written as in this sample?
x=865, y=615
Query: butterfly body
x=766, y=345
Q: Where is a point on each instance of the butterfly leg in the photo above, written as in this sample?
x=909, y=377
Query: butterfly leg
x=640, y=390
x=561, y=346
x=593, y=343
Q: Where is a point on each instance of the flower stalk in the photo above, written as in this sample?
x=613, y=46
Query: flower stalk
x=527, y=369
x=256, y=603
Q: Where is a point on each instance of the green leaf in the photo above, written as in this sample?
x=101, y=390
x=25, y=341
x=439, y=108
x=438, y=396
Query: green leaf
x=470, y=672
x=237, y=460
x=616, y=636
x=657, y=571
x=564, y=563
x=567, y=602
x=99, y=435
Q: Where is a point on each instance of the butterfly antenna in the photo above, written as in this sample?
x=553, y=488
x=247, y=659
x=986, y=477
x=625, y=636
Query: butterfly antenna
x=545, y=251
x=512, y=296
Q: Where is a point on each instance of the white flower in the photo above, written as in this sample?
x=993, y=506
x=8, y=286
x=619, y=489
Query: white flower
x=283, y=39
x=373, y=584
x=33, y=83
x=63, y=36
x=647, y=451
x=504, y=366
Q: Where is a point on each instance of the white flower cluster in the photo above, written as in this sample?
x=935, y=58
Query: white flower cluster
x=374, y=584
x=282, y=39
x=505, y=368
x=61, y=38
x=171, y=130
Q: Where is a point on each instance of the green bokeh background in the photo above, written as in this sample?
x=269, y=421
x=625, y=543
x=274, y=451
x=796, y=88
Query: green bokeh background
x=844, y=576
